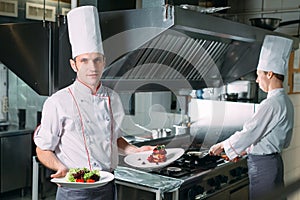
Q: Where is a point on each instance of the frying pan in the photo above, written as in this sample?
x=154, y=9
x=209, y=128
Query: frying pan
x=199, y=154
x=266, y=23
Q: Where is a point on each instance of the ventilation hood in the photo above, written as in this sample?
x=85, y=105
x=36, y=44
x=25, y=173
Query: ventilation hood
x=150, y=49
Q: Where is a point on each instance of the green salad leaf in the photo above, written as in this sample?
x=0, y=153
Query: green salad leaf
x=82, y=173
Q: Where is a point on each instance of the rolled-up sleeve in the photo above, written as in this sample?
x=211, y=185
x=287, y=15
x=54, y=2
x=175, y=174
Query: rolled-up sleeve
x=47, y=135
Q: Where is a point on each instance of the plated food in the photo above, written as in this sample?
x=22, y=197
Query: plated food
x=149, y=159
x=88, y=178
x=158, y=155
x=83, y=175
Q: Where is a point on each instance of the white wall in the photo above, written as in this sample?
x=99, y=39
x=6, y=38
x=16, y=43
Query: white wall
x=219, y=113
x=291, y=155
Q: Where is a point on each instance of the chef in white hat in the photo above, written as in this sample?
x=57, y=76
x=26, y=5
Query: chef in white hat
x=270, y=129
x=80, y=125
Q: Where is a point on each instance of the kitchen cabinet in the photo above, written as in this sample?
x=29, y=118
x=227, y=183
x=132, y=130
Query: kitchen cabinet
x=15, y=158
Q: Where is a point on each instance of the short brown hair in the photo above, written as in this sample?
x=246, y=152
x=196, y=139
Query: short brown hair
x=278, y=76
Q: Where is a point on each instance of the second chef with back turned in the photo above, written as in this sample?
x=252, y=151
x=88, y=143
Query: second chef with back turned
x=270, y=129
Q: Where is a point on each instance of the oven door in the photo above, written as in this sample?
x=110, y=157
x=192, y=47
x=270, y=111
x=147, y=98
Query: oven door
x=241, y=192
x=237, y=191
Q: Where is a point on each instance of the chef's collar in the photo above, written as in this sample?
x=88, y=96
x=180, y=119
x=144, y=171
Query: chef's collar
x=275, y=92
x=86, y=89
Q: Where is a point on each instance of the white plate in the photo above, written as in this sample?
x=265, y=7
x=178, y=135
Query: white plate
x=105, y=177
x=139, y=160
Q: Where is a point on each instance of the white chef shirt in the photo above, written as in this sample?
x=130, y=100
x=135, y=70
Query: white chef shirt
x=268, y=131
x=61, y=130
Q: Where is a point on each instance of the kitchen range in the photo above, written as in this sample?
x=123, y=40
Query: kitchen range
x=195, y=175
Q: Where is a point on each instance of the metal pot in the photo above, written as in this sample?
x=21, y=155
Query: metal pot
x=180, y=130
x=229, y=97
x=266, y=23
x=161, y=132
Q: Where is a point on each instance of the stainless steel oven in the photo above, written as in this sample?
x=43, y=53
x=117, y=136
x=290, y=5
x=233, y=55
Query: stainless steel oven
x=205, y=178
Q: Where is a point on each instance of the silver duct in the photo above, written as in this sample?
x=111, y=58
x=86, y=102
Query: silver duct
x=147, y=49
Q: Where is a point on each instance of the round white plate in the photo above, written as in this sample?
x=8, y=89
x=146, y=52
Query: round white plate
x=105, y=177
x=139, y=160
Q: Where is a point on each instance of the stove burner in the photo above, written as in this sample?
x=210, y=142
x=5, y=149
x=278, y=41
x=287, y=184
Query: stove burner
x=174, y=169
x=189, y=163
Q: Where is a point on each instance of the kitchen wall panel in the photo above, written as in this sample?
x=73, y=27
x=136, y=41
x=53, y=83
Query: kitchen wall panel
x=271, y=4
x=59, y=5
x=220, y=113
x=21, y=96
x=291, y=154
x=253, y=5
x=288, y=3
x=3, y=92
x=296, y=137
x=152, y=3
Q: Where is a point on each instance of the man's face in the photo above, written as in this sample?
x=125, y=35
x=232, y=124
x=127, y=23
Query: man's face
x=263, y=80
x=89, y=68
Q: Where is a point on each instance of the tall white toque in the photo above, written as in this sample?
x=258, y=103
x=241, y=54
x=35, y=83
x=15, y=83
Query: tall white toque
x=274, y=54
x=84, y=30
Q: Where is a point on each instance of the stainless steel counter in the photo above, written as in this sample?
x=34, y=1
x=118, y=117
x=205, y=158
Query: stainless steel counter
x=154, y=183
x=15, y=158
x=14, y=131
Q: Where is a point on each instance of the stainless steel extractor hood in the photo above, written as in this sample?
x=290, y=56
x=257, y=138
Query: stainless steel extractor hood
x=197, y=51
x=147, y=50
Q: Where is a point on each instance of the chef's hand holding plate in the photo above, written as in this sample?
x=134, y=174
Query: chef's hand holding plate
x=145, y=148
x=132, y=149
x=140, y=159
x=61, y=172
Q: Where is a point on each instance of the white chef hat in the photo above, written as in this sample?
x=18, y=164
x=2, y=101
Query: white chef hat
x=84, y=30
x=274, y=54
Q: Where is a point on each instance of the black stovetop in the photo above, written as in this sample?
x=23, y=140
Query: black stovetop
x=188, y=164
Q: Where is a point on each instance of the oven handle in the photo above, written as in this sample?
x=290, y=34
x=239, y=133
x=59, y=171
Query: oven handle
x=195, y=192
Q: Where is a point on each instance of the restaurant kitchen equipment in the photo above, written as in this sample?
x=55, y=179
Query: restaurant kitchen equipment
x=147, y=50
x=192, y=176
x=269, y=23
